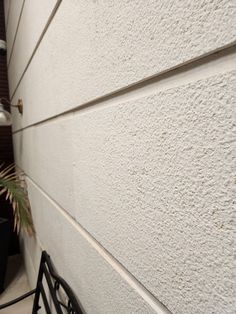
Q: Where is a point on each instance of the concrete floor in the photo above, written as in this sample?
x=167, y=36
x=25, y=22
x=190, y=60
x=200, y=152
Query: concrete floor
x=16, y=284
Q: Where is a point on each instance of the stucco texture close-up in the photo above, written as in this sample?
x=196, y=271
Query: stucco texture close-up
x=127, y=143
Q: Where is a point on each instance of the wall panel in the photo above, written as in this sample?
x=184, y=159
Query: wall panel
x=45, y=154
x=99, y=288
x=152, y=180
x=93, y=49
x=33, y=20
x=13, y=20
x=148, y=173
x=154, y=183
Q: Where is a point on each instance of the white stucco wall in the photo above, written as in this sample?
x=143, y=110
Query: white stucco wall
x=128, y=145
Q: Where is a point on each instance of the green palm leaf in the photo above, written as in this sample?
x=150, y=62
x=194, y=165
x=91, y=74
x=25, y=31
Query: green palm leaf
x=11, y=186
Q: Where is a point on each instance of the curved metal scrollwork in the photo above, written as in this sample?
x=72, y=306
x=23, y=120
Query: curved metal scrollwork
x=57, y=286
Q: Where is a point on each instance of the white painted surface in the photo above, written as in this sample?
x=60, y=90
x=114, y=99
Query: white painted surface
x=31, y=251
x=33, y=20
x=93, y=48
x=78, y=261
x=154, y=184
x=49, y=148
x=138, y=188
x=14, y=16
x=155, y=174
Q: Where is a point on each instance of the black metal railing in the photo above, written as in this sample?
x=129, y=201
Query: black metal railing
x=56, y=285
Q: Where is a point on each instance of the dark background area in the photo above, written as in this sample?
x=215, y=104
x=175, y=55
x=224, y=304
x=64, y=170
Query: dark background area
x=6, y=148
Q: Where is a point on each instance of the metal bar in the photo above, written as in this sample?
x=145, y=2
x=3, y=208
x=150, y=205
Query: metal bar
x=63, y=283
x=52, y=291
x=36, y=306
x=54, y=283
x=22, y=297
x=44, y=298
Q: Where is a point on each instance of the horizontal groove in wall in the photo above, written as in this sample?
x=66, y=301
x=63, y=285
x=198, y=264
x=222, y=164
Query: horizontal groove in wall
x=14, y=39
x=214, y=64
x=38, y=43
x=155, y=304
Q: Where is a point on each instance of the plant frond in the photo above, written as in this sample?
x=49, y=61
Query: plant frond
x=10, y=185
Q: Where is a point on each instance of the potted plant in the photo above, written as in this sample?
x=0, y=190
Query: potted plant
x=15, y=193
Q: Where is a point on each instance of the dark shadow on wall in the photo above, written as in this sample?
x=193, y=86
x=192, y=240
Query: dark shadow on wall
x=6, y=147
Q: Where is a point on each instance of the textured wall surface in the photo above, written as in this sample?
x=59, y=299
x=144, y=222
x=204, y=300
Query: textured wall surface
x=92, y=48
x=130, y=170
x=80, y=258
